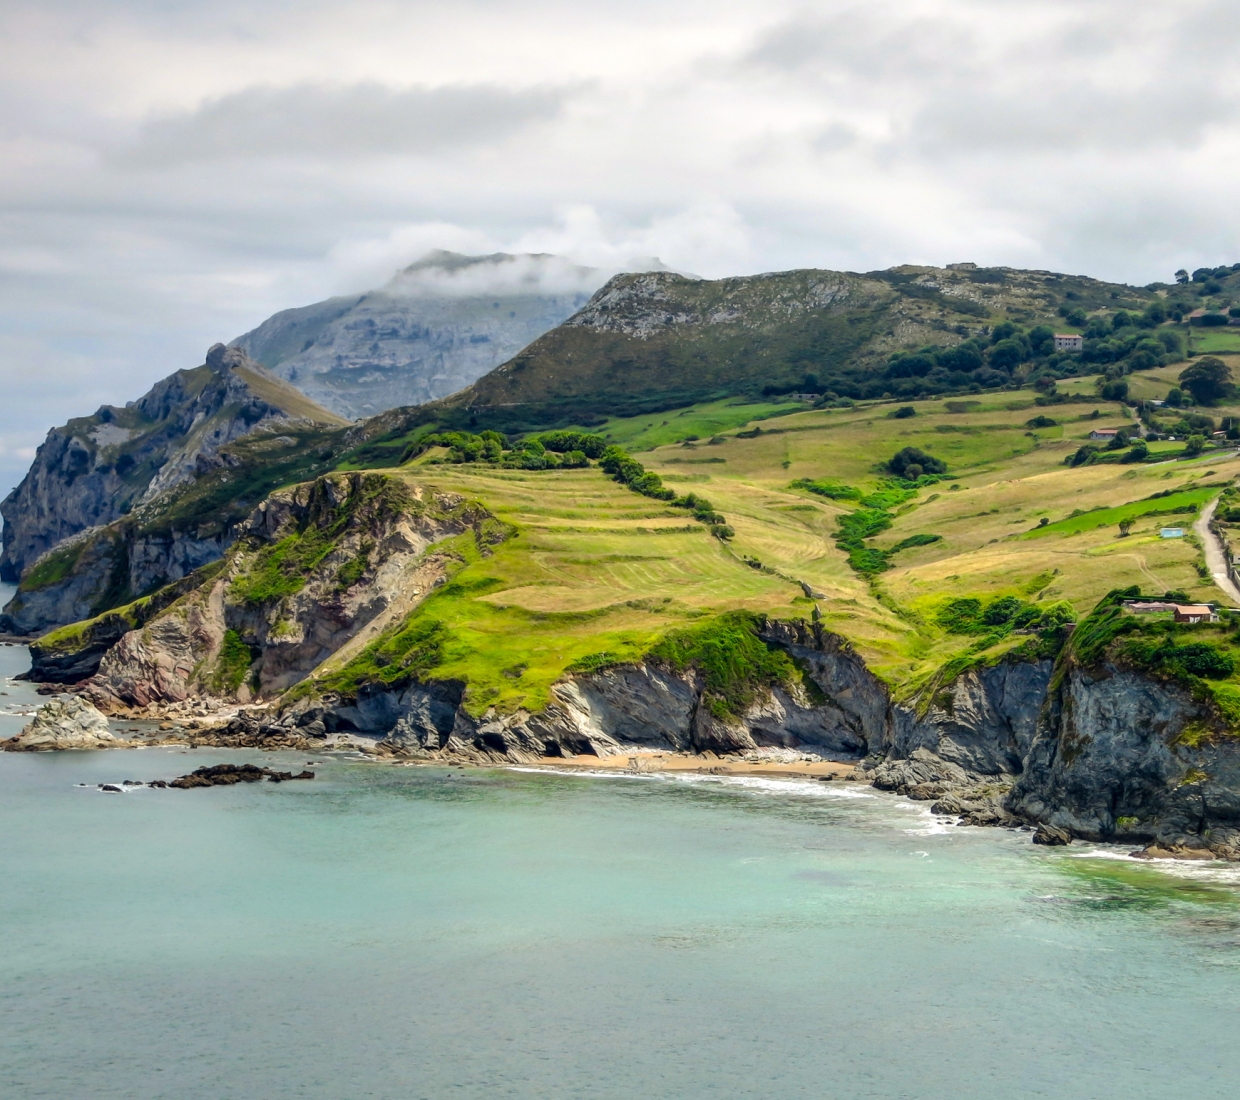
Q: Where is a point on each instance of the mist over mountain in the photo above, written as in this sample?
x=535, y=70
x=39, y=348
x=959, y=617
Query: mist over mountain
x=436, y=326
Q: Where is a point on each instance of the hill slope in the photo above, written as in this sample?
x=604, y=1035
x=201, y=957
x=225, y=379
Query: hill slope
x=97, y=468
x=437, y=326
x=659, y=340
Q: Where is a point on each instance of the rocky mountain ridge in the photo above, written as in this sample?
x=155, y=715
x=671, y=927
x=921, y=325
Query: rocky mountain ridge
x=97, y=468
x=438, y=325
x=651, y=341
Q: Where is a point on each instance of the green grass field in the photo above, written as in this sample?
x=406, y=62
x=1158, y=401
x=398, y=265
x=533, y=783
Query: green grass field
x=644, y=433
x=1109, y=517
x=596, y=569
x=1213, y=341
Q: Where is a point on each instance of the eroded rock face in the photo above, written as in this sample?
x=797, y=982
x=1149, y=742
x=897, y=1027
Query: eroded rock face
x=617, y=709
x=64, y=722
x=1116, y=758
x=257, y=628
x=94, y=469
x=984, y=721
x=83, y=532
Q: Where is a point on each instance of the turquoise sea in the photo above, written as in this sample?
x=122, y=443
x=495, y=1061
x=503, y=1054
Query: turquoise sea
x=398, y=932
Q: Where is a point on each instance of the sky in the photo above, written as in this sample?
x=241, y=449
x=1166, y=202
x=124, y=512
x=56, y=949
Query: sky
x=172, y=172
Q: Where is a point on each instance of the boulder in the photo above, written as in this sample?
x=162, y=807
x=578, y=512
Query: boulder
x=1052, y=836
x=64, y=722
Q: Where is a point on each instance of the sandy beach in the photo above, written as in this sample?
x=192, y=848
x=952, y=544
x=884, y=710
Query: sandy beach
x=707, y=763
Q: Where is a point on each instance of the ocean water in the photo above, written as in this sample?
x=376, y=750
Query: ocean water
x=398, y=932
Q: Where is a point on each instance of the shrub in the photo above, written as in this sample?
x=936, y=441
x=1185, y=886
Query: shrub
x=900, y=462
x=233, y=663
x=904, y=412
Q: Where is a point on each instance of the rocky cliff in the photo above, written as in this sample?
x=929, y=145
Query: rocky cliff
x=167, y=538
x=97, y=468
x=1123, y=756
x=437, y=326
x=312, y=568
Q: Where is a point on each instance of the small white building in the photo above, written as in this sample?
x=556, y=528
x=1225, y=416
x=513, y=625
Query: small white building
x=1067, y=341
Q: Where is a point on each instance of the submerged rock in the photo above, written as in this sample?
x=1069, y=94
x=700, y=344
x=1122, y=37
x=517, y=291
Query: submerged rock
x=226, y=775
x=64, y=722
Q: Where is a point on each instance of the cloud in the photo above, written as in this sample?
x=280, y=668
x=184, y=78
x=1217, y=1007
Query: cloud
x=320, y=121
x=441, y=273
x=170, y=175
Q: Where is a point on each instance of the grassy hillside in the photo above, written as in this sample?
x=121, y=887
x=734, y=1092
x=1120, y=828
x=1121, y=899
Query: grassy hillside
x=597, y=573
x=657, y=342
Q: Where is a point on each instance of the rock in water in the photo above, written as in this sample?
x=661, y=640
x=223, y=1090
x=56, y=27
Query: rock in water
x=1052, y=836
x=64, y=722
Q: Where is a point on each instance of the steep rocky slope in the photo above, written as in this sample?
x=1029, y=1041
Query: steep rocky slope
x=437, y=326
x=170, y=536
x=97, y=468
x=312, y=567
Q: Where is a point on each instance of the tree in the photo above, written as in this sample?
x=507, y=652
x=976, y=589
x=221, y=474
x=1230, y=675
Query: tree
x=1042, y=340
x=1125, y=525
x=1122, y=319
x=1114, y=391
x=1155, y=314
x=1195, y=445
x=1139, y=452
x=901, y=462
x=1181, y=276
x=1208, y=380
x=1175, y=397
x=904, y=412
x=1007, y=354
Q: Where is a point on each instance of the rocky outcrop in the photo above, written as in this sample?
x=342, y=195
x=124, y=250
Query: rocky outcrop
x=1122, y=756
x=73, y=653
x=644, y=705
x=64, y=722
x=984, y=720
x=313, y=566
x=229, y=775
x=97, y=468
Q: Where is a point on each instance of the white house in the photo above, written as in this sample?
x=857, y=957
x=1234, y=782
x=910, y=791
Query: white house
x=1106, y=434
x=1066, y=341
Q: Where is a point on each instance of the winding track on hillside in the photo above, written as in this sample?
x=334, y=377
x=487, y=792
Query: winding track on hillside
x=1216, y=558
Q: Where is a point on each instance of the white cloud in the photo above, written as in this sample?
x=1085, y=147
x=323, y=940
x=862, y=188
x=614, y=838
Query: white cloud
x=172, y=174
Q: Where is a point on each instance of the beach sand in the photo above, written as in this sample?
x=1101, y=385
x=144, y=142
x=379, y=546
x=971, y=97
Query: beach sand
x=702, y=763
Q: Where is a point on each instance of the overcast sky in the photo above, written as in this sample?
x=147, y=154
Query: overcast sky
x=173, y=172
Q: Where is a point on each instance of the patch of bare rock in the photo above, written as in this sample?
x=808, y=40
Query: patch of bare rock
x=64, y=722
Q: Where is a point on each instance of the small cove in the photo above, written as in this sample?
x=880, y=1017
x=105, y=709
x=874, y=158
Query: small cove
x=420, y=932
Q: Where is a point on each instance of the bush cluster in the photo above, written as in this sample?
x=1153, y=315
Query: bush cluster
x=967, y=615
x=559, y=450
x=734, y=662
x=872, y=518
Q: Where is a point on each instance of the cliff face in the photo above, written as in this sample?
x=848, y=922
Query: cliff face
x=313, y=566
x=97, y=468
x=1121, y=756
